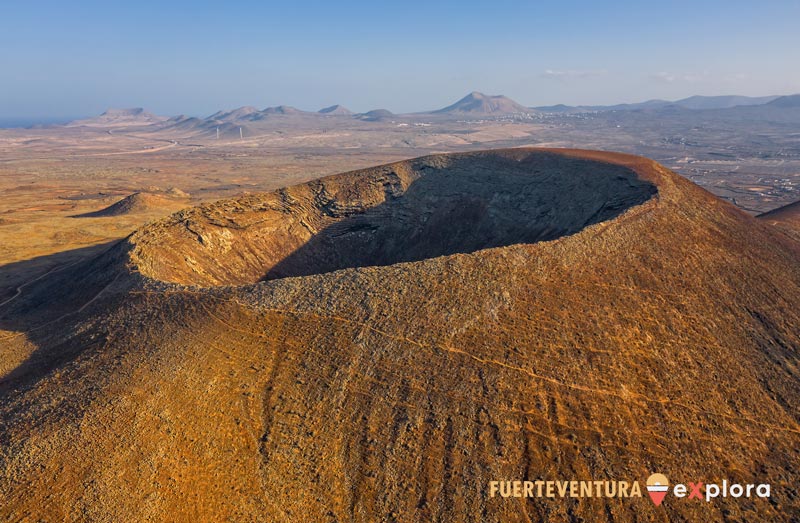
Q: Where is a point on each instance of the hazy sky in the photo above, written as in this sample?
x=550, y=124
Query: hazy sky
x=75, y=58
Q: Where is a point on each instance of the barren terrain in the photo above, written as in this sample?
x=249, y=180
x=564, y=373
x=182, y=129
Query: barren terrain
x=280, y=357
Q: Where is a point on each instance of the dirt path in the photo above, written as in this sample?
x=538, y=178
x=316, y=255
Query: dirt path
x=18, y=291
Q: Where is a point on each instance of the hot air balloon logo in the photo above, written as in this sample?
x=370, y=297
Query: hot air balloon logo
x=657, y=487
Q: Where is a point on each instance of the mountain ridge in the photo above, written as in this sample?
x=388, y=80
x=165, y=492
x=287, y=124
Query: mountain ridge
x=475, y=103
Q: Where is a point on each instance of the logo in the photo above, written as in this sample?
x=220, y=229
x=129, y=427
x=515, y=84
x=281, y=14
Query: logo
x=657, y=487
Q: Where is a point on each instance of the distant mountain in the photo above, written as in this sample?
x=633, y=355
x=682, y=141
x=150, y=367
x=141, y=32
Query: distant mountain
x=649, y=104
x=695, y=103
x=722, y=102
x=236, y=114
x=786, y=101
x=558, y=108
x=230, y=121
x=242, y=122
x=282, y=110
x=336, y=110
x=730, y=107
x=561, y=108
x=121, y=117
x=375, y=115
x=209, y=127
x=183, y=120
x=479, y=103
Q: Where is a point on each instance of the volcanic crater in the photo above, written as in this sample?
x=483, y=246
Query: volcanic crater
x=401, y=212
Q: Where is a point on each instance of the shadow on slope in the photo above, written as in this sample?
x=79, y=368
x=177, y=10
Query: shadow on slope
x=46, y=309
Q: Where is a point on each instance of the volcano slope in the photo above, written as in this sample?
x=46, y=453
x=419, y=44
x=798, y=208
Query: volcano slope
x=134, y=203
x=380, y=345
x=787, y=218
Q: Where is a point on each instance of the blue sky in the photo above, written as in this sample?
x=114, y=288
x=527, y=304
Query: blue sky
x=78, y=58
